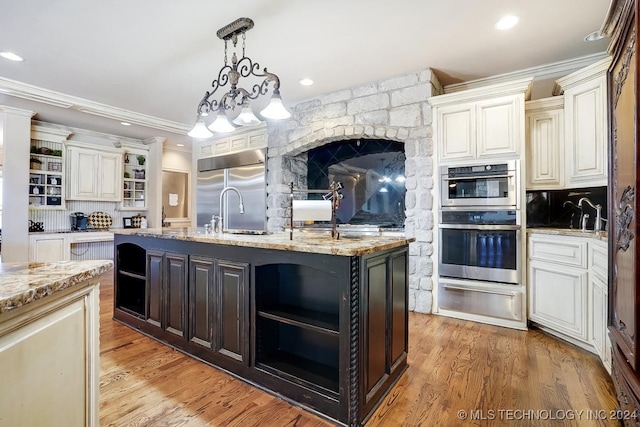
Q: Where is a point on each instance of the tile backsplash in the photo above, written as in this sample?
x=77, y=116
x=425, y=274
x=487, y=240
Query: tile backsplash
x=58, y=220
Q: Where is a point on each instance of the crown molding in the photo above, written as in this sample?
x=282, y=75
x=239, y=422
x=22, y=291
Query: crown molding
x=512, y=87
x=58, y=99
x=585, y=74
x=552, y=69
x=16, y=111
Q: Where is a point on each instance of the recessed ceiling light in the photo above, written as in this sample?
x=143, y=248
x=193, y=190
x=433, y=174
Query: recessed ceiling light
x=125, y=124
x=507, y=22
x=179, y=145
x=593, y=36
x=306, y=82
x=11, y=56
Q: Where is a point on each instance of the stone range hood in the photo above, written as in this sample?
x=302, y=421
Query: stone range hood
x=394, y=109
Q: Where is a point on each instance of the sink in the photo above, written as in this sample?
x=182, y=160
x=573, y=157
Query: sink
x=248, y=232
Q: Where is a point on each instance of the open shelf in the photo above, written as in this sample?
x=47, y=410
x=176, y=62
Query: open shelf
x=133, y=275
x=299, y=354
x=314, y=320
x=131, y=279
x=316, y=376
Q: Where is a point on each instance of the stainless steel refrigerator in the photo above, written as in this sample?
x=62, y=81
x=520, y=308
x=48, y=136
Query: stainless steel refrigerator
x=244, y=171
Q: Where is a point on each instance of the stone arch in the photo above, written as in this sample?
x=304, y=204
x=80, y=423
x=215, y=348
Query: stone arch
x=395, y=109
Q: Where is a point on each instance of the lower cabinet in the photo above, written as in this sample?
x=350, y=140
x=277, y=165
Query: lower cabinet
x=568, y=290
x=218, y=309
x=167, y=291
x=558, y=298
x=327, y=332
x=48, y=247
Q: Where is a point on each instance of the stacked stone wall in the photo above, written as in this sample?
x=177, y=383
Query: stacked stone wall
x=395, y=109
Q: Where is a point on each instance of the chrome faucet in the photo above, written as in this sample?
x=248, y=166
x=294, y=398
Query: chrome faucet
x=240, y=206
x=598, y=223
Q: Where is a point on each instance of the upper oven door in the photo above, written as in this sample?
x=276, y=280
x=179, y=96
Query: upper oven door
x=480, y=185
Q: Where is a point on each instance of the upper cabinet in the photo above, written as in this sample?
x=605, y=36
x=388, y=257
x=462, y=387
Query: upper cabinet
x=237, y=141
x=545, y=143
x=94, y=174
x=585, y=125
x=134, y=185
x=481, y=123
x=46, y=167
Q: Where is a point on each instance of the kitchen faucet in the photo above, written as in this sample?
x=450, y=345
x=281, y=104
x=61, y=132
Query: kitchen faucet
x=598, y=223
x=240, y=206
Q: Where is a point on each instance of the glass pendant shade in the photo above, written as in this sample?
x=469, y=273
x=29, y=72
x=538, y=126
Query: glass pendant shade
x=275, y=109
x=200, y=130
x=246, y=117
x=221, y=124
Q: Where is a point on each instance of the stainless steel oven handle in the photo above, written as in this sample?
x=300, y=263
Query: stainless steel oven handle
x=459, y=178
x=486, y=291
x=481, y=227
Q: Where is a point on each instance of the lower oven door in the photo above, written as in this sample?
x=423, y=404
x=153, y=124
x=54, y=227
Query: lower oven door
x=483, y=299
x=480, y=252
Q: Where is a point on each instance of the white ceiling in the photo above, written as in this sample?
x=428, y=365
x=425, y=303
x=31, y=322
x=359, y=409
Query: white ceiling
x=157, y=57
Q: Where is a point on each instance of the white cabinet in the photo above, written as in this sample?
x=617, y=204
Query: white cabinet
x=94, y=174
x=48, y=247
x=568, y=290
x=456, y=131
x=558, y=282
x=135, y=186
x=545, y=143
x=585, y=103
x=481, y=123
x=499, y=124
x=46, y=167
x=598, y=279
x=254, y=139
x=50, y=360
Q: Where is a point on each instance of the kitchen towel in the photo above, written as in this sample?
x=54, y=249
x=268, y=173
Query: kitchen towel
x=312, y=210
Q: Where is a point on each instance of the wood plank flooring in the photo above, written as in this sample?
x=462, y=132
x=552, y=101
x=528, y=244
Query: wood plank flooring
x=497, y=376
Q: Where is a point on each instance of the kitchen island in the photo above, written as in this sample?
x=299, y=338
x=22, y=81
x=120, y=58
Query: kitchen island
x=319, y=322
x=49, y=343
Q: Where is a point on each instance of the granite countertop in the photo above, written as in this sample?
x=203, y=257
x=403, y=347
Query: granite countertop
x=601, y=235
x=22, y=283
x=349, y=244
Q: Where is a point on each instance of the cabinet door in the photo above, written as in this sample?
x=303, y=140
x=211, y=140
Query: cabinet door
x=201, y=301
x=498, y=126
x=598, y=315
x=48, y=248
x=455, y=130
x=374, y=315
x=231, y=332
x=176, y=294
x=558, y=298
x=83, y=173
x=545, y=149
x=586, y=134
x=399, y=312
x=110, y=176
x=154, y=297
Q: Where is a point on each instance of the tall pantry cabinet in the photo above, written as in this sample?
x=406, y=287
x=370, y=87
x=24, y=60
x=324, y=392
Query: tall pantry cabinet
x=621, y=25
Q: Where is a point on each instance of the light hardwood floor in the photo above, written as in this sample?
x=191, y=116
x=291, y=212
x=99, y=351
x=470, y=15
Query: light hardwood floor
x=501, y=377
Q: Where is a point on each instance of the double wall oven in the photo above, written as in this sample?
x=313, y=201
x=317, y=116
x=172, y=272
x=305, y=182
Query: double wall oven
x=480, y=259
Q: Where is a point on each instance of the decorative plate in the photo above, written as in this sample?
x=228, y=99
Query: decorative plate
x=100, y=220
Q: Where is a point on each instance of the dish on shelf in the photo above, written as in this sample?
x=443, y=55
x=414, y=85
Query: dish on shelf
x=100, y=220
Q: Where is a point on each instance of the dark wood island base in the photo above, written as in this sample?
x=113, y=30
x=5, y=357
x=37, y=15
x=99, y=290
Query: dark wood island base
x=318, y=322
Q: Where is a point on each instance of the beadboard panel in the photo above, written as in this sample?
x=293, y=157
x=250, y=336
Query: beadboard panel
x=58, y=220
x=91, y=250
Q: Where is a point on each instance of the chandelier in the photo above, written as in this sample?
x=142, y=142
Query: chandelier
x=237, y=97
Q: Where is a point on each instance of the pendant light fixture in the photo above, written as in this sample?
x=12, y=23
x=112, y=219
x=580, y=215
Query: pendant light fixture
x=238, y=97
